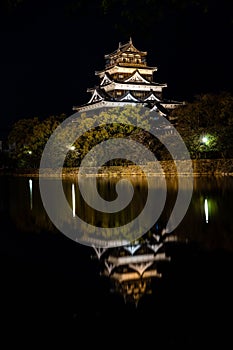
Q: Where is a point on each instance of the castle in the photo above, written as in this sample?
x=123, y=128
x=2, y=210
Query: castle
x=127, y=79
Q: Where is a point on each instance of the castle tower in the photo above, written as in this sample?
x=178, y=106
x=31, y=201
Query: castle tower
x=127, y=79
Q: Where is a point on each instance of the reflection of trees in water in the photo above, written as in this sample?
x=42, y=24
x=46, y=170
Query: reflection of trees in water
x=212, y=232
x=28, y=214
x=25, y=206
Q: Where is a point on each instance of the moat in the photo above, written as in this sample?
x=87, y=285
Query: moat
x=52, y=281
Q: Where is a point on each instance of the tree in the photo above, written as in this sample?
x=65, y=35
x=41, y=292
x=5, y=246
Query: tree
x=127, y=118
x=209, y=115
x=28, y=137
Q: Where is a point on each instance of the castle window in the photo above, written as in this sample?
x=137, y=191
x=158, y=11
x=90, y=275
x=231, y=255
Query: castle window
x=139, y=94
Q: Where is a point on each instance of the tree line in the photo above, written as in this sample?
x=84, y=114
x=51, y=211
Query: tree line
x=205, y=125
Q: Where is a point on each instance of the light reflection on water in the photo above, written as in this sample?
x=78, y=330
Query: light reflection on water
x=181, y=282
x=207, y=221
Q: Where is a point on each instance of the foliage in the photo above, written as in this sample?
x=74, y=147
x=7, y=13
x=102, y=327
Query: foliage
x=208, y=115
x=28, y=137
x=100, y=129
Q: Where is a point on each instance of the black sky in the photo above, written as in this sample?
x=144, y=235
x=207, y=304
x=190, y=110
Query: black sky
x=50, y=50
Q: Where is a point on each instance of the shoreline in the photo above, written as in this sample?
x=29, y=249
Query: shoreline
x=201, y=167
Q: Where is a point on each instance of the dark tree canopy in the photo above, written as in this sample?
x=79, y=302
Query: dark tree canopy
x=205, y=125
x=209, y=116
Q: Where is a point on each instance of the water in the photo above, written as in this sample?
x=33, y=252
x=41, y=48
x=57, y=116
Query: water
x=52, y=285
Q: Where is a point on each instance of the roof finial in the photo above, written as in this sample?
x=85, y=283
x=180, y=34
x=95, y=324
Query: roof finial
x=119, y=45
x=130, y=40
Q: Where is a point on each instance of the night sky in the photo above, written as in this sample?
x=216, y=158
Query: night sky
x=50, y=50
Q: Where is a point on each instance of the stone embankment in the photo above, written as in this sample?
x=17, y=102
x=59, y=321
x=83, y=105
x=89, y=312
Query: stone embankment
x=200, y=167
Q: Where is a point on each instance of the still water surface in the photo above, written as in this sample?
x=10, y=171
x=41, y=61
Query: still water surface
x=183, y=296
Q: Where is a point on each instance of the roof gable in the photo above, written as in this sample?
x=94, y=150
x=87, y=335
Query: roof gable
x=106, y=80
x=129, y=97
x=128, y=47
x=95, y=97
x=137, y=77
x=151, y=97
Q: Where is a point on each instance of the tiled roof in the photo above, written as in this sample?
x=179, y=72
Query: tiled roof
x=126, y=47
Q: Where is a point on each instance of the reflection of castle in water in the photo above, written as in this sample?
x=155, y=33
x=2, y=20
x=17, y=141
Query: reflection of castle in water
x=132, y=267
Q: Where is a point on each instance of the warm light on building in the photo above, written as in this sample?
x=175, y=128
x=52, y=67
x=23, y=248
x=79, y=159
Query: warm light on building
x=128, y=80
